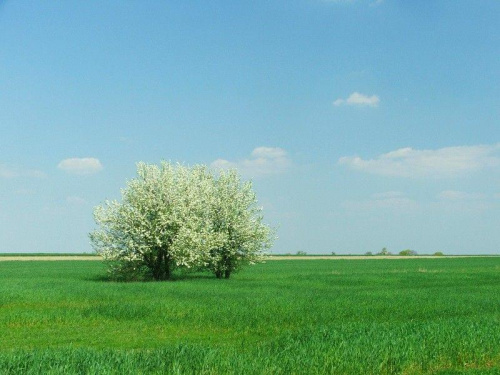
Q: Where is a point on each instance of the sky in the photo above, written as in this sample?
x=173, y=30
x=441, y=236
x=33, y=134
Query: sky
x=363, y=124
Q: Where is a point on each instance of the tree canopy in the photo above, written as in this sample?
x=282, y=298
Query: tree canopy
x=174, y=216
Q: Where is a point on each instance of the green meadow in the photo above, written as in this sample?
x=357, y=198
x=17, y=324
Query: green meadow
x=394, y=316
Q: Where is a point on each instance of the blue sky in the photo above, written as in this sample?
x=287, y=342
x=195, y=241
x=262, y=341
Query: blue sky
x=363, y=124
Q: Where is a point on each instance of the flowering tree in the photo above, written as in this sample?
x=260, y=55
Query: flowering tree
x=160, y=223
x=174, y=216
x=240, y=236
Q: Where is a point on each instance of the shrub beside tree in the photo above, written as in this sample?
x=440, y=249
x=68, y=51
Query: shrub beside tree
x=236, y=223
x=173, y=216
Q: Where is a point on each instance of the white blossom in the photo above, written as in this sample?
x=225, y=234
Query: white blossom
x=176, y=216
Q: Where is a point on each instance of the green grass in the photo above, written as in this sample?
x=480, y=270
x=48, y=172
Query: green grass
x=45, y=254
x=436, y=316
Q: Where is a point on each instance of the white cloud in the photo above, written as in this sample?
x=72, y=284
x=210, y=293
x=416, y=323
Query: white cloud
x=7, y=171
x=223, y=164
x=338, y=1
x=370, y=2
x=24, y=191
x=357, y=99
x=455, y=195
x=264, y=161
x=400, y=203
x=388, y=194
x=453, y=201
x=269, y=153
x=443, y=162
x=80, y=166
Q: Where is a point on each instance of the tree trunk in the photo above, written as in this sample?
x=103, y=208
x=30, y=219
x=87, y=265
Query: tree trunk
x=168, y=272
x=218, y=274
x=162, y=266
x=157, y=268
x=227, y=274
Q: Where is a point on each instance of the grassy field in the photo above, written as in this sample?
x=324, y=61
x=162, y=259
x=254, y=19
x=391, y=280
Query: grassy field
x=436, y=316
x=38, y=255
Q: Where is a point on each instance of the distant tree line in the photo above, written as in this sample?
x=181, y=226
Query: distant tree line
x=407, y=252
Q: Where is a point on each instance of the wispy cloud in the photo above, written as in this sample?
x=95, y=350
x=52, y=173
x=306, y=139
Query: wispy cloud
x=357, y=99
x=24, y=191
x=9, y=171
x=454, y=201
x=264, y=161
x=388, y=194
x=391, y=200
x=338, y=1
x=443, y=162
x=370, y=2
x=75, y=200
x=455, y=195
x=80, y=166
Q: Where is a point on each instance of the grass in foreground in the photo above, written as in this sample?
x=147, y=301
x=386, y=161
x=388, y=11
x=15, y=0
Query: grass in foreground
x=47, y=254
x=289, y=317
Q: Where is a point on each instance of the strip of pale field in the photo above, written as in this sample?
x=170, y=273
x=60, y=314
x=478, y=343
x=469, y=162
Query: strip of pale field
x=362, y=257
x=49, y=257
x=284, y=257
